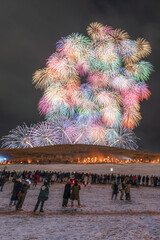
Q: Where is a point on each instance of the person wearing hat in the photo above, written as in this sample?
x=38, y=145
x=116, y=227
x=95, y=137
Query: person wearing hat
x=43, y=196
x=22, y=194
x=75, y=193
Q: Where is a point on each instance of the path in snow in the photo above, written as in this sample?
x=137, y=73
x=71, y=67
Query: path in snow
x=99, y=217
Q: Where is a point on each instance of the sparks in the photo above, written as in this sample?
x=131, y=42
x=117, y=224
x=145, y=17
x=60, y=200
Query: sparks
x=92, y=90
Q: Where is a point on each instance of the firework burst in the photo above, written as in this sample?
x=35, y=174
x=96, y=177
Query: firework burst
x=92, y=89
x=42, y=135
x=143, y=48
x=125, y=139
x=95, y=30
x=20, y=137
x=118, y=36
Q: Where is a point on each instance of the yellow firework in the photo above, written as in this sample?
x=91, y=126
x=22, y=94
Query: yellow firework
x=129, y=60
x=144, y=48
x=40, y=78
x=118, y=36
x=118, y=99
x=94, y=30
x=130, y=68
x=131, y=119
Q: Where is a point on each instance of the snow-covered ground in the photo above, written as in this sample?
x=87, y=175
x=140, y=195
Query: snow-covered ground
x=99, y=218
x=134, y=168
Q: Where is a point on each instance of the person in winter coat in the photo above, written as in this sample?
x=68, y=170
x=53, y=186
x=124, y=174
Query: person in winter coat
x=122, y=189
x=89, y=179
x=128, y=190
x=43, y=196
x=36, y=179
x=152, y=181
x=135, y=180
x=147, y=180
x=16, y=189
x=114, y=190
x=22, y=194
x=86, y=180
x=66, y=194
x=75, y=193
x=155, y=181
x=143, y=180
x=139, y=179
x=2, y=182
x=118, y=179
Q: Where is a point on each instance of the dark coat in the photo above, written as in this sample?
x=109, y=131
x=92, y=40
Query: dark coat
x=67, y=191
x=24, y=188
x=115, y=188
x=75, y=192
x=44, y=192
x=16, y=189
x=2, y=181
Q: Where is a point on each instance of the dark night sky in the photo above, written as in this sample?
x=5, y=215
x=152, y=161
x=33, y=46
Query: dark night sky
x=29, y=32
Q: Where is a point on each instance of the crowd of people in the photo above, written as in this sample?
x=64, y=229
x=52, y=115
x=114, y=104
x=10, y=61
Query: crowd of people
x=23, y=180
x=86, y=178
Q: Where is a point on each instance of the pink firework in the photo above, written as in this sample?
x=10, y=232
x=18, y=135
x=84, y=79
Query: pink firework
x=111, y=116
x=142, y=90
x=97, y=133
x=121, y=83
x=43, y=106
x=98, y=79
x=131, y=118
x=82, y=67
x=130, y=98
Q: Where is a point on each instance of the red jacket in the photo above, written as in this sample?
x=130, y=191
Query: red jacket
x=36, y=178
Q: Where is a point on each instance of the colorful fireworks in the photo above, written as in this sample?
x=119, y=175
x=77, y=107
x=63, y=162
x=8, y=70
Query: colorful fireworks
x=20, y=137
x=92, y=89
